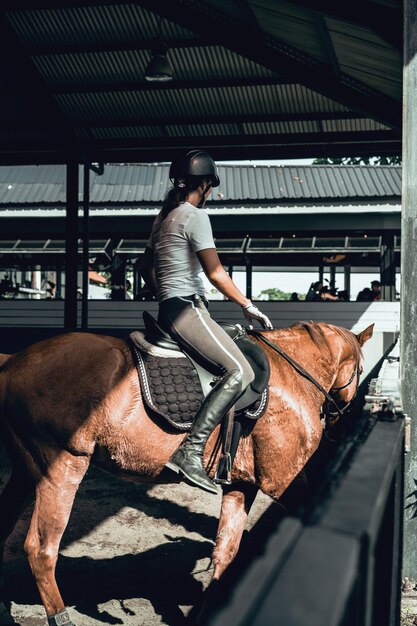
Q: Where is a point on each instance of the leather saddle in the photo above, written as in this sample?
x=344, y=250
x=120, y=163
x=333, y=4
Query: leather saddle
x=173, y=384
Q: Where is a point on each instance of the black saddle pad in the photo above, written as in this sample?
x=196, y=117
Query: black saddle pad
x=169, y=382
x=171, y=386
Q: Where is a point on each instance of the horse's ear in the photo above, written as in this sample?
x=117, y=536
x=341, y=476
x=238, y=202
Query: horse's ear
x=365, y=334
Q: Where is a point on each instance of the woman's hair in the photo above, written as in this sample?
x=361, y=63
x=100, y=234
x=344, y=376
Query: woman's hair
x=179, y=193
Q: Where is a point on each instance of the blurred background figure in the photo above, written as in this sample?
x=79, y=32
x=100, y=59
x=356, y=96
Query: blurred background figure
x=376, y=290
x=294, y=297
x=372, y=294
x=319, y=293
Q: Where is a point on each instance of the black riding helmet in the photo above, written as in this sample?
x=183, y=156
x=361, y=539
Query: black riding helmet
x=195, y=163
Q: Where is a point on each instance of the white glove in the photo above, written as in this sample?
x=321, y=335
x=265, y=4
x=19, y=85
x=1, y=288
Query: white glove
x=251, y=312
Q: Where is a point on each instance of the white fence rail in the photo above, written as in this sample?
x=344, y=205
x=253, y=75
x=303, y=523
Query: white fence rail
x=103, y=314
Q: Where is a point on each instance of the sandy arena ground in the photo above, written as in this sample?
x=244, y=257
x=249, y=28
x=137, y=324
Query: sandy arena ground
x=132, y=555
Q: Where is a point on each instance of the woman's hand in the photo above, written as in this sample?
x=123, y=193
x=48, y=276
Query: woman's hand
x=251, y=312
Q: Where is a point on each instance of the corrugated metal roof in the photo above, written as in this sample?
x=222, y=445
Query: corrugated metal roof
x=77, y=71
x=85, y=71
x=64, y=26
x=144, y=183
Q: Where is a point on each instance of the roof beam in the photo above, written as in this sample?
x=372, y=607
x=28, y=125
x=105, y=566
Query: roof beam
x=189, y=121
x=104, y=47
x=268, y=51
x=223, y=141
x=355, y=138
x=175, y=85
x=29, y=154
x=384, y=21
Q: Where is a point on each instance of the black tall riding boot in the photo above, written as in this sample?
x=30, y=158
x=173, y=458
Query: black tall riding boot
x=188, y=458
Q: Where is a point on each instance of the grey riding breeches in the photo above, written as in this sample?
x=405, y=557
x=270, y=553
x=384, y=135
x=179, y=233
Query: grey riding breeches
x=188, y=321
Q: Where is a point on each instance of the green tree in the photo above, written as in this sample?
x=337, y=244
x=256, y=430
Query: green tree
x=275, y=294
x=377, y=160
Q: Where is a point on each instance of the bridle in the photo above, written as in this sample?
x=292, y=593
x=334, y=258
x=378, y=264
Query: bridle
x=330, y=417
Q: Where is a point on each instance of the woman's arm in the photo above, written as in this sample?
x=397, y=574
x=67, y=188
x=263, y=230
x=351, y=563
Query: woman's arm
x=218, y=276
x=147, y=270
x=220, y=279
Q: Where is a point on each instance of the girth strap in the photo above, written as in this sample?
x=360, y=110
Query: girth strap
x=296, y=366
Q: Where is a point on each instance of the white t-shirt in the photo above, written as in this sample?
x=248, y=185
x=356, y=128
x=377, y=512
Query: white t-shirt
x=174, y=241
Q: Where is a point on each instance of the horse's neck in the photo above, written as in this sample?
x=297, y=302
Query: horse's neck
x=320, y=362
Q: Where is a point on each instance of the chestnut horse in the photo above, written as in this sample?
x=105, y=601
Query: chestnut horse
x=76, y=399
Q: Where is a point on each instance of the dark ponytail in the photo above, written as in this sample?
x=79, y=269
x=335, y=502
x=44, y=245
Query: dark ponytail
x=179, y=193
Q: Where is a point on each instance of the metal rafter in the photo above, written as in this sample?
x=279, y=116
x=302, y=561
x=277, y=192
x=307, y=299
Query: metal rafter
x=268, y=51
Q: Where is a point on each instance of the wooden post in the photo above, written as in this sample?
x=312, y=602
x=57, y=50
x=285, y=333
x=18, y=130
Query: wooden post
x=71, y=247
x=408, y=358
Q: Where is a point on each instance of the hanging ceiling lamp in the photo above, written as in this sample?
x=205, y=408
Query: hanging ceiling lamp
x=159, y=68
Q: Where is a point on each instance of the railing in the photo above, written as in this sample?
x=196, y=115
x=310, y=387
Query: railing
x=127, y=314
x=35, y=319
x=340, y=565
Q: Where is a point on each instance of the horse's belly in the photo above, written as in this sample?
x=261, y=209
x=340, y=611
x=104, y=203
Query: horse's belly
x=137, y=469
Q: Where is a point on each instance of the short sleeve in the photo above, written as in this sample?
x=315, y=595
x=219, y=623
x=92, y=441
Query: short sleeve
x=198, y=231
x=155, y=225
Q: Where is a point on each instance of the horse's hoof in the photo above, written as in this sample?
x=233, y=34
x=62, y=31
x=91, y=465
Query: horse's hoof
x=60, y=619
x=5, y=618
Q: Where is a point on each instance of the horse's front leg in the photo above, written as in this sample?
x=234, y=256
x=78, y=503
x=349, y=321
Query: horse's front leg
x=236, y=504
x=55, y=495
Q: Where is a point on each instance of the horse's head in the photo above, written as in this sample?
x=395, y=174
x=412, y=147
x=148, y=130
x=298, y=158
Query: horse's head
x=345, y=385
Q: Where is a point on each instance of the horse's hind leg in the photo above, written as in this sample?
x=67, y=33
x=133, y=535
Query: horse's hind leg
x=55, y=495
x=14, y=499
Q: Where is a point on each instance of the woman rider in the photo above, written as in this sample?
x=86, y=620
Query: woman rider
x=180, y=245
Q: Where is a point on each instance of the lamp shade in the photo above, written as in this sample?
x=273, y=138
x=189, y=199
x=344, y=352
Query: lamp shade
x=159, y=68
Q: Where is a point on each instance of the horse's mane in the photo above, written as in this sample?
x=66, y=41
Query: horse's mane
x=315, y=330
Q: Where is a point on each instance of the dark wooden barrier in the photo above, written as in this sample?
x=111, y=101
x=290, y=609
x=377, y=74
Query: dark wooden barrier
x=341, y=565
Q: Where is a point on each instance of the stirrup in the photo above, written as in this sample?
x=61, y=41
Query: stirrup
x=223, y=475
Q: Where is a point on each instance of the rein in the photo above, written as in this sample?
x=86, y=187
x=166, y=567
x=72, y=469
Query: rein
x=306, y=374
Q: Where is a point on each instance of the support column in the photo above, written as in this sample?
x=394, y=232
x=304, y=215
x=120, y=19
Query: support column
x=248, y=265
x=332, y=277
x=249, y=279
x=388, y=268
x=118, y=275
x=86, y=244
x=71, y=247
x=346, y=281
x=408, y=357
